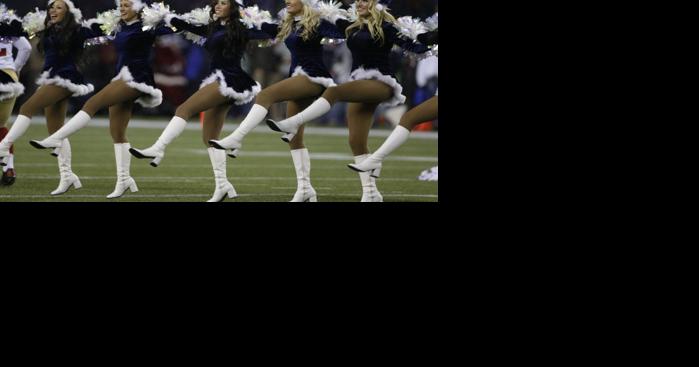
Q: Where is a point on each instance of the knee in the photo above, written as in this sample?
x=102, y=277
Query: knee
x=358, y=145
x=26, y=110
x=330, y=94
x=264, y=99
x=183, y=112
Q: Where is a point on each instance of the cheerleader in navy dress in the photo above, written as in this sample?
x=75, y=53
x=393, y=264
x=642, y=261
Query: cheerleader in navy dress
x=425, y=111
x=302, y=30
x=370, y=39
x=62, y=38
x=226, y=40
x=133, y=84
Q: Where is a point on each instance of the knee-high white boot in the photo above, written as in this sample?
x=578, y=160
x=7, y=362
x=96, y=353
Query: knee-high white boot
x=373, y=163
x=223, y=187
x=304, y=190
x=234, y=142
x=68, y=178
x=123, y=166
x=370, y=193
x=78, y=122
x=19, y=127
x=157, y=150
x=290, y=126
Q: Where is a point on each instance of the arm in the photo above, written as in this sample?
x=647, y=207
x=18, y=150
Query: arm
x=162, y=31
x=329, y=30
x=429, y=38
x=181, y=25
x=254, y=34
x=271, y=29
x=24, y=49
x=14, y=29
x=91, y=29
x=392, y=34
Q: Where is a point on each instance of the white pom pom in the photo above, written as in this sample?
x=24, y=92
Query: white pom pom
x=197, y=39
x=253, y=17
x=200, y=16
x=109, y=21
x=432, y=22
x=33, y=22
x=352, y=14
x=7, y=15
x=153, y=15
x=331, y=11
x=410, y=27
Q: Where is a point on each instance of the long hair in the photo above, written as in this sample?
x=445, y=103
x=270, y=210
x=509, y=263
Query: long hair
x=236, y=35
x=310, y=20
x=374, y=22
x=64, y=30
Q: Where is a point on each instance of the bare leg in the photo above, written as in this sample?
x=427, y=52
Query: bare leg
x=56, y=115
x=360, y=117
x=213, y=122
x=114, y=93
x=119, y=117
x=204, y=99
x=423, y=112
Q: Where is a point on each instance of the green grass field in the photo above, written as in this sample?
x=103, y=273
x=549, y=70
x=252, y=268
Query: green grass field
x=263, y=173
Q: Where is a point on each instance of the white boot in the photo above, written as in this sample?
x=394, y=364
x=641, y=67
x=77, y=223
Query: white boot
x=68, y=178
x=373, y=163
x=370, y=193
x=290, y=126
x=157, y=150
x=123, y=165
x=223, y=187
x=234, y=141
x=78, y=121
x=304, y=190
x=19, y=127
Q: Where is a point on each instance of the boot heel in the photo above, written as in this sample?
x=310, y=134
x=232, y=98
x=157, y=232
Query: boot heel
x=77, y=184
x=233, y=153
x=156, y=161
x=232, y=194
x=375, y=173
x=133, y=187
x=288, y=137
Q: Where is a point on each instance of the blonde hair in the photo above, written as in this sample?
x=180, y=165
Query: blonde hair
x=310, y=20
x=374, y=22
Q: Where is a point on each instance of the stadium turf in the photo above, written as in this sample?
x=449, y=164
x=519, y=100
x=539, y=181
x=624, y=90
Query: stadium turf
x=264, y=171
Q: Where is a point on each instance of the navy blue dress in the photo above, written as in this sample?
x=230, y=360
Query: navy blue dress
x=61, y=70
x=234, y=82
x=371, y=58
x=307, y=56
x=134, y=48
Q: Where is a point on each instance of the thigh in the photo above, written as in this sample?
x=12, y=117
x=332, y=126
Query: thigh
x=204, y=99
x=114, y=93
x=56, y=115
x=423, y=112
x=295, y=88
x=360, y=91
x=45, y=96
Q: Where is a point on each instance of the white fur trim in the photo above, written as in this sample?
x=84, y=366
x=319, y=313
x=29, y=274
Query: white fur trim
x=77, y=89
x=240, y=98
x=72, y=8
x=398, y=97
x=326, y=82
x=11, y=90
x=153, y=97
x=136, y=5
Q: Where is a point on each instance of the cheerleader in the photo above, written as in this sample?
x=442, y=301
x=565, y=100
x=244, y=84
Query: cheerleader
x=302, y=30
x=370, y=39
x=61, y=39
x=10, y=88
x=228, y=84
x=133, y=83
x=426, y=111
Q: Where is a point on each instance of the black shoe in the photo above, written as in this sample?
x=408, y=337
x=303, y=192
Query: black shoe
x=8, y=177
